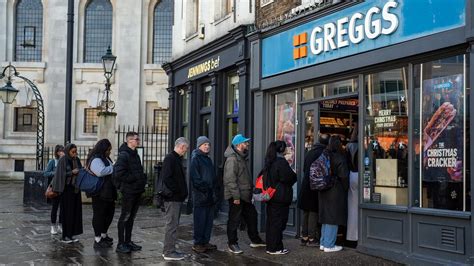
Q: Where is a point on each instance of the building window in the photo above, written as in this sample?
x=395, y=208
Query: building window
x=192, y=17
x=441, y=129
x=232, y=106
x=223, y=8
x=160, y=121
x=97, y=30
x=162, y=31
x=207, y=96
x=386, y=138
x=91, y=120
x=25, y=119
x=331, y=89
x=28, y=30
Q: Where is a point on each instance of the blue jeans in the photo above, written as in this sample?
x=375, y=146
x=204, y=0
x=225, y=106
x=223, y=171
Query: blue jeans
x=203, y=220
x=328, y=235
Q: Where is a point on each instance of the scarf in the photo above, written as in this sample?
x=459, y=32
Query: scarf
x=62, y=176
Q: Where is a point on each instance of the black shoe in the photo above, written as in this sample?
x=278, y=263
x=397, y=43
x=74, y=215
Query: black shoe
x=304, y=241
x=313, y=243
x=133, y=246
x=199, y=248
x=234, y=248
x=108, y=239
x=257, y=244
x=102, y=244
x=123, y=248
x=209, y=246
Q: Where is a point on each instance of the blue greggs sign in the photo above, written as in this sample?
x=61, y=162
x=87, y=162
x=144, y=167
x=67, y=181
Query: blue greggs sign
x=363, y=27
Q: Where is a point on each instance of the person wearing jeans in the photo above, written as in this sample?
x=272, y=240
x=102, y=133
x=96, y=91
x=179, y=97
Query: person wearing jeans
x=204, y=182
x=49, y=173
x=333, y=201
x=131, y=180
x=174, y=179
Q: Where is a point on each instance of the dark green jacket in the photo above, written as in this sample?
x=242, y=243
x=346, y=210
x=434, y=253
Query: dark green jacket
x=238, y=183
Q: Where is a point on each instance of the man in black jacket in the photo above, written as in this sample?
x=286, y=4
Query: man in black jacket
x=174, y=178
x=129, y=176
x=308, y=199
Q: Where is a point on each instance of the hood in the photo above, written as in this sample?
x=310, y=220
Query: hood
x=231, y=151
x=125, y=148
x=318, y=146
x=198, y=152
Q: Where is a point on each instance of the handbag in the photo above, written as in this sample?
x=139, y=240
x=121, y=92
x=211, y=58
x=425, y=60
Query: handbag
x=49, y=193
x=88, y=182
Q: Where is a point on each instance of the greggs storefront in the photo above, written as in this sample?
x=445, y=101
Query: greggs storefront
x=398, y=72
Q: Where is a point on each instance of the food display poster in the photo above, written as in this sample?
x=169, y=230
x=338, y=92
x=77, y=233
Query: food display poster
x=443, y=128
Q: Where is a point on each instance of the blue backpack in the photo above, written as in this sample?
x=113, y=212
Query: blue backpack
x=320, y=176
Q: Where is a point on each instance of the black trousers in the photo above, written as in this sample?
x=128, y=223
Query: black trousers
x=246, y=211
x=54, y=210
x=277, y=217
x=71, y=212
x=130, y=204
x=102, y=216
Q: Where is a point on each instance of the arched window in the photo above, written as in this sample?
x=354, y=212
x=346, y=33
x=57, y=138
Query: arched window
x=97, y=30
x=162, y=31
x=28, y=30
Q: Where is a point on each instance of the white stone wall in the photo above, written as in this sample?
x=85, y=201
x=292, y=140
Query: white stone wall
x=137, y=84
x=214, y=26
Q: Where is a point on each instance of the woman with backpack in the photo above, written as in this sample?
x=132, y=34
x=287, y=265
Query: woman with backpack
x=333, y=201
x=103, y=202
x=49, y=173
x=278, y=175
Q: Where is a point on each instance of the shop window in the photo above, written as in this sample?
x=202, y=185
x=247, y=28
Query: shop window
x=160, y=121
x=285, y=119
x=28, y=30
x=207, y=96
x=331, y=89
x=232, y=106
x=162, y=31
x=97, y=30
x=91, y=120
x=386, y=138
x=192, y=17
x=441, y=134
x=26, y=119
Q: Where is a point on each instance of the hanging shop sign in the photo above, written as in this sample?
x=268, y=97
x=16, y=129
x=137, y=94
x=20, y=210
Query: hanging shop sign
x=443, y=127
x=366, y=26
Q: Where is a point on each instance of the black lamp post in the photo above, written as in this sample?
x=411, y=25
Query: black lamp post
x=108, y=62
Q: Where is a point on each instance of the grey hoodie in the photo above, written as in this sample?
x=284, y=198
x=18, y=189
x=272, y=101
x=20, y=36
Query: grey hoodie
x=238, y=183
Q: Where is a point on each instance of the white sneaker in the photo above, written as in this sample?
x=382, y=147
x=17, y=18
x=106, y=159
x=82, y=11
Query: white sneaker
x=53, y=230
x=59, y=229
x=333, y=249
x=279, y=252
x=321, y=247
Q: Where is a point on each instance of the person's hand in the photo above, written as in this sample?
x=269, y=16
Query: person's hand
x=75, y=171
x=237, y=202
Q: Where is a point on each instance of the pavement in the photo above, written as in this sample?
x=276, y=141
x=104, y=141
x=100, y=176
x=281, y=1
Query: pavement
x=25, y=240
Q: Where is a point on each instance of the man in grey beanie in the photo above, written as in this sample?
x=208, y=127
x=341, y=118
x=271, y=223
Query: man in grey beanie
x=204, y=183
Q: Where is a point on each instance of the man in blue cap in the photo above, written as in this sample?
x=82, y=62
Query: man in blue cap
x=238, y=186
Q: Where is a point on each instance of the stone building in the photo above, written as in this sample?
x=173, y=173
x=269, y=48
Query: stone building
x=33, y=38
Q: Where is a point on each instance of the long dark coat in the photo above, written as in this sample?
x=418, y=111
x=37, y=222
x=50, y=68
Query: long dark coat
x=333, y=202
x=308, y=199
x=203, y=179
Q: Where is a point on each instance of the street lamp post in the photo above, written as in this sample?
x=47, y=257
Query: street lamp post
x=108, y=62
x=8, y=94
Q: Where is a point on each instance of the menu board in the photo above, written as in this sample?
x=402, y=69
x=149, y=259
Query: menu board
x=443, y=128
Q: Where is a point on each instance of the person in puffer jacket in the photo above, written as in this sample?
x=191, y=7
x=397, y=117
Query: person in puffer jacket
x=204, y=182
x=238, y=185
x=279, y=175
x=129, y=176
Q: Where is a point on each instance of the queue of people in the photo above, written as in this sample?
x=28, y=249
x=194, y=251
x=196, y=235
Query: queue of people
x=323, y=211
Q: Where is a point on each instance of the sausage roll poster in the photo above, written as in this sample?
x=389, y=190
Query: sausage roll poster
x=443, y=129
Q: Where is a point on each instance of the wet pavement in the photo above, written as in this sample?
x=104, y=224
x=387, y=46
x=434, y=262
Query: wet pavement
x=25, y=240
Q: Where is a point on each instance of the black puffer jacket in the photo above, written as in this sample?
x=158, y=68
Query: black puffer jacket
x=174, y=177
x=308, y=199
x=128, y=171
x=203, y=178
x=281, y=177
x=108, y=192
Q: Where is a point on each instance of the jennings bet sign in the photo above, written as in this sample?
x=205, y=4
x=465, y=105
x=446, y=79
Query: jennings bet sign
x=363, y=27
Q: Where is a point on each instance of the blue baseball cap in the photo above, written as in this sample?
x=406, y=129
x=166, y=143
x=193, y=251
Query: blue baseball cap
x=238, y=139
